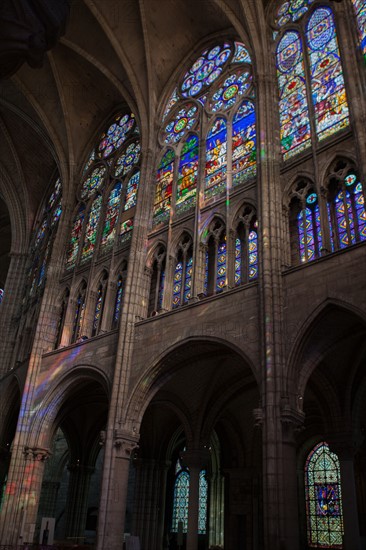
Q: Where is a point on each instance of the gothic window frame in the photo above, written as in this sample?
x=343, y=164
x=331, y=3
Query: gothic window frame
x=62, y=316
x=216, y=237
x=157, y=265
x=101, y=173
x=183, y=256
x=79, y=312
x=304, y=207
x=120, y=278
x=100, y=303
x=338, y=183
x=180, y=501
x=220, y=96
x=297, y=23
x=44, y=234
x=245, y=266
x=323, y=498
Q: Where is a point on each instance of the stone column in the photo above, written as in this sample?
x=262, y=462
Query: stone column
x=69, y=323
x=111, y=523
x=195, y=460
x=109, y=304
x=27, y=493
x=77, y=501
x=344, y=450
x=291, y=421
x=149, y=504
x=10, y=309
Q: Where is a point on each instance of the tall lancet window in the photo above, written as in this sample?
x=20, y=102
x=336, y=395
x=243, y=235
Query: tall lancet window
x=157, y=280
x=99, y=304
x=210, y=113
x=181, y=498
x=346, y=206
x=323, y=498
x=79, y=314
x=310, y=76
x=246, y=247
x=183, y=273
x=107, y=194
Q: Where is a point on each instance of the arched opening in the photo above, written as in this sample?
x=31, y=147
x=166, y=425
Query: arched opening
x=333, y=356
x=199, y=456
x=72, y=476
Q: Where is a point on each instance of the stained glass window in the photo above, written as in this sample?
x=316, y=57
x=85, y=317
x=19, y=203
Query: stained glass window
x=205, y=282
x=171, y=102
x=309, y=230
x=180, y=501
x=187, y=176
x=215, y=169
x=221, y=267
x=327, y=83
x=293, y=105
x=202, y=505
x=346, y=213
x=360, y=9
x=205, y=70
x=41, y=233
x=244, y=143
x=128, y=159
x=93, y=182
x=55, y=195
x=163, y=191
x=234, y=86
x=253, y=254
x=91, y=229
x=56, y=214
x=241, y=54
x=323, y=498
x=116, y=135
x=238, y=277
x=131, y=191
x=75, y=237
x=118, y=302
x=111, y=217
x=98, y=311
x=89, y=162
x=292, y=10
x=126, y=230
x=188, y=280
x=177, y=284
x=182, y=122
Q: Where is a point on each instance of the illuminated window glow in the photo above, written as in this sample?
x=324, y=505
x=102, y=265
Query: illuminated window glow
x=323, y=498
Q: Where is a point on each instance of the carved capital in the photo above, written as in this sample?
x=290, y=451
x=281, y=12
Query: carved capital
x=258, y=417
x=292, y=421
x=125, y=443
x=38, y=454
x=148, y=271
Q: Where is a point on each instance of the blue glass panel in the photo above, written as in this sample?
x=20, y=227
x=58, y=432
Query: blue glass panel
x=177, y=284
x=221, y=267
x=327, y=83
